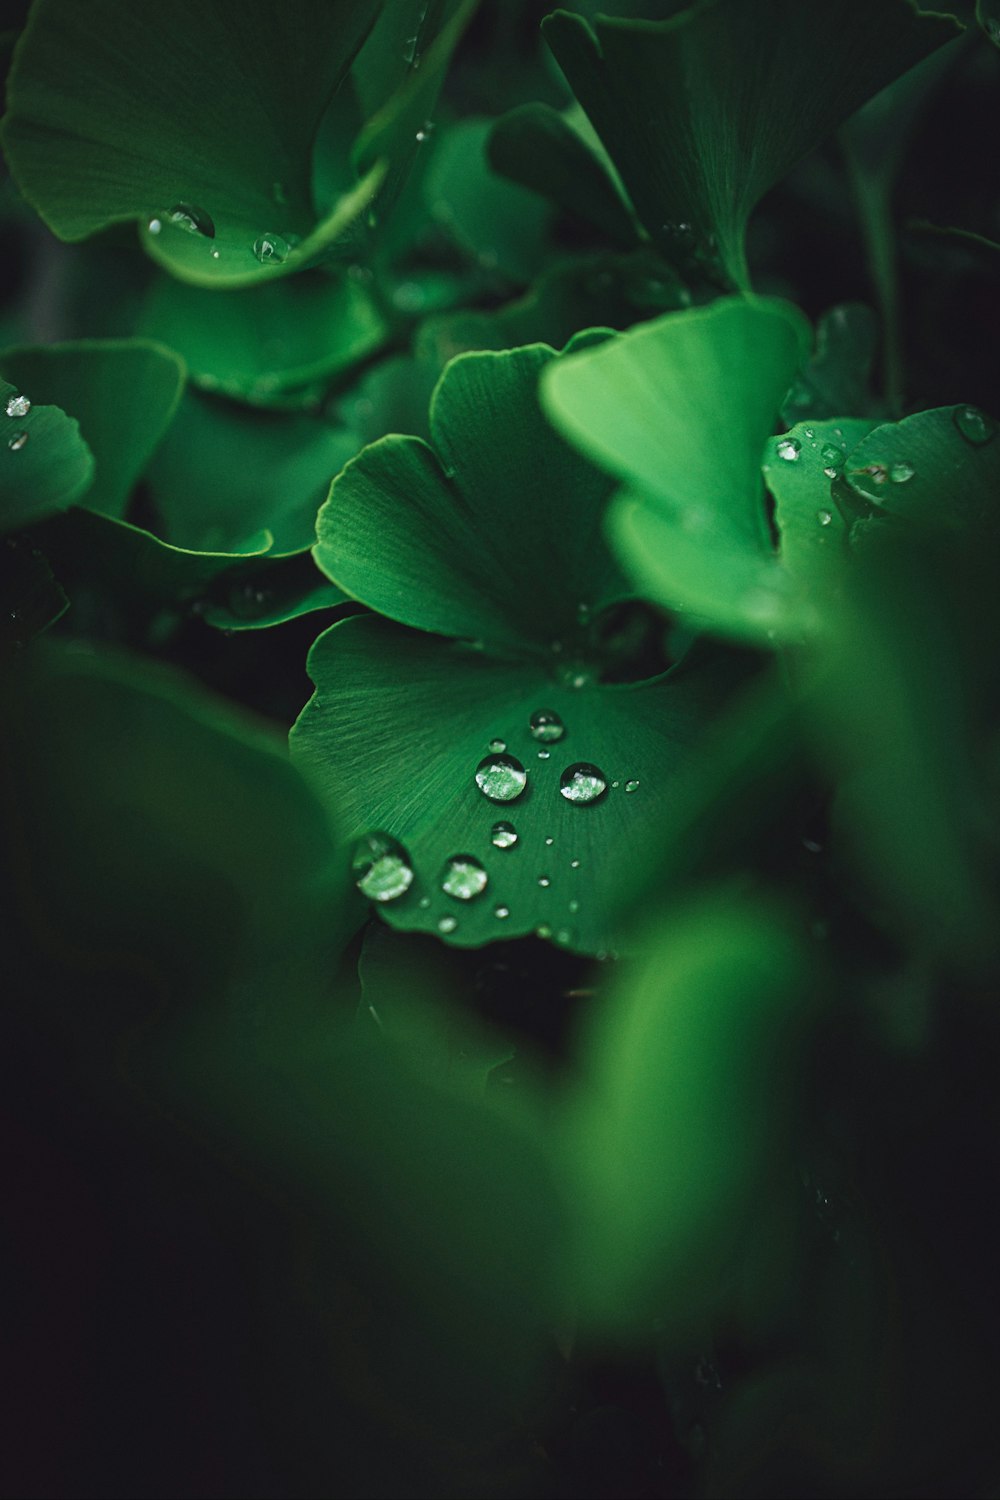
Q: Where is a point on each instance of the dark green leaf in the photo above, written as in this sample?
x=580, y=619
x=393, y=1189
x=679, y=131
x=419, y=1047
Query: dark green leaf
x=120, y=114
x=833, y=382
x=940, y=468
x=45, y=463
x=123, y=393
x=703, y=112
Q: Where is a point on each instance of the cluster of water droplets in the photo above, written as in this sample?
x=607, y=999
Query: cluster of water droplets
x=270, y=248
x=17, y=406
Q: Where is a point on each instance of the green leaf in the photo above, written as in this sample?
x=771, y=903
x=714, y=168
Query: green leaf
x=538, y=147
x=675, y=1128
x=255, y=343
x=226, y=472
x=492, y=534
x=680, y=409
x=502, y=226
x=123, y=393
x=940, y=468
x=834, y=380
x=47, y=468
x=267, y=591
x=703, y=112
x=117, y=115
x=398, y=725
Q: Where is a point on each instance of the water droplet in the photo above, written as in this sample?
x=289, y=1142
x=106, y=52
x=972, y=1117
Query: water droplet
x=974, y=425
x=574, y=864
x=615, y=785
x=544, y=754
x=543, y=930
x=564, y=935
x=18, y=406
x=194, y=220
x=463, y=877
x=154, y=226
x=501, y=778
x=503, y=836
x=546, y=726
x=550, y=841
x=582, y=783
x=900, y=472
x=17, y=442
x=424, y=903
x=426, y=131
x=381, y=867
x=789, y=449
x=833, y=459
x=447, y=924
x=271, y=249
x=501, y=911
x=574, y=906
x=631, y=786
x=824, y=517
x=810, y=432
x=215, y=254
x=498, y=746
x=544, y=881
x=831, y=472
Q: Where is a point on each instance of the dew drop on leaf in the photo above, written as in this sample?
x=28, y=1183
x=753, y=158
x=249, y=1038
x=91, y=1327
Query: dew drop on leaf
x=501, y=911
x=503, y=835
x=463, y=877
x=824, y=517
x=194, y=220
x=18, y=406
x=546, y=726
x=154, y=226
x=574, y=864
x=574, y=906
x=833, y=459
x=381, y=866
x=543, y=930
x=544, y=754
x=789, y=449
x=271, y=249
x=17, y=442
x=631, y=786
x=498, y=746
x=974, y=425
x=900, y=472
x=544, y=881
x=582, y=783
x=447, y=924
x=501, y=778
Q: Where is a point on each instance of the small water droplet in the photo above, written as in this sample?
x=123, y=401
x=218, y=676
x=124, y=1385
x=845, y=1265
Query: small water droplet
x=833, y=458
x=631, y=786
x=974, y=425
x=544, y=881
x=501, y=778
x=582, y=783
x=189, y=217
x=498, y=746
x=546, y=726
x=574, y=864
x=463, y=877
x=215, y=254
x=447, y=924
x=154, y=226
x=17, y=442
x=789, y=449
x=271, y=249
x=425, y=132
x=501, y=911
x=503, y=835
x=543, y=930
x=381, y=866
x=564, y=935
x=424, y=903
x=544, y=754
x=18, y=406
x=574, y=906
x=831, y=472
x=615, y=785
x=900, y=472
x=824, y=517
x=550, y=841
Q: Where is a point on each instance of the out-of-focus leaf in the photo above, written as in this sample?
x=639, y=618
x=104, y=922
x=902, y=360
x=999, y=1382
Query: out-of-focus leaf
x=32, y=598
x=833, y=382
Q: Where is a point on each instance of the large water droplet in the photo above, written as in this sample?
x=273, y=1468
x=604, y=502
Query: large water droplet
x=546, y=725
x=381, y=867
x=18, y=406
x=900, y=472
x=271, y=249
x=17, y=442
x=501, y=778
x=463, y=877
x=789, y=449
x=974, y=425
x=582, y=783
x=194, y=220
